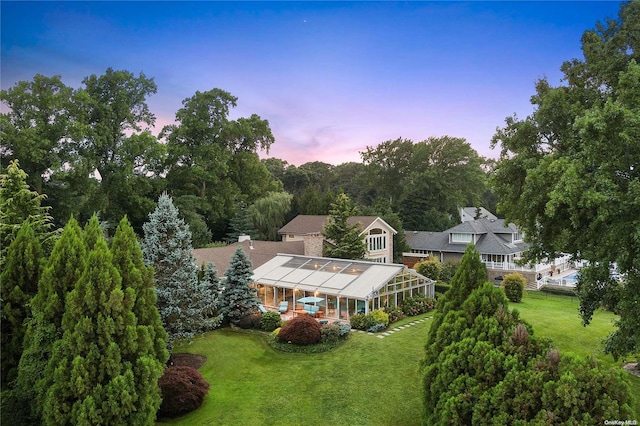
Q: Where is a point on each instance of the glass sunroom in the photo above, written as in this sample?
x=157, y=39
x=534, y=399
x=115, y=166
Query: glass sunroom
x=342, y=287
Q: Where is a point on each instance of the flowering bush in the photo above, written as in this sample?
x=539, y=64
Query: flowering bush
x=417, y=305
x=395, y=313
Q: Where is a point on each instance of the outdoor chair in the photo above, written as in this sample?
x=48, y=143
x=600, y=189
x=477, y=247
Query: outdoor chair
x=262, y=309
x=284, y=307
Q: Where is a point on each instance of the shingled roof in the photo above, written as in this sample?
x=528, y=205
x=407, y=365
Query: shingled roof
x=314, y=224
x=488, y=242
x=262, y=252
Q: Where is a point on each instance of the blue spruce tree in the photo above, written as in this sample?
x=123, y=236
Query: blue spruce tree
x=167, y=247
x=238, y=297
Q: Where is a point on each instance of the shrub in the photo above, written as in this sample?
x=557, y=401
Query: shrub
x=275, y=332
x=417, y=305
x=379, y=317
x=513, y=285
x=430, y=268
x=345, y=328
x=183, y=389
x=395, y=313
x=449, y=269
x=250, y=321
x=330, y=333
x=302, y=330
x=270, y=321
x=361, y=321
x=375, y=328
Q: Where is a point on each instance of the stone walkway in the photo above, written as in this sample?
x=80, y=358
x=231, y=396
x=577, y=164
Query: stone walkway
x=394, y=330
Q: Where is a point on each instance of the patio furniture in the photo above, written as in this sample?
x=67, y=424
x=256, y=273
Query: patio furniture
x=284, y=307
x=262, y=309
x=311, y=309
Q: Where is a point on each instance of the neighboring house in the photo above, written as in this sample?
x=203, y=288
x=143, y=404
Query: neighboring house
x=377, y=233
x=258, y=252
x=500, y=245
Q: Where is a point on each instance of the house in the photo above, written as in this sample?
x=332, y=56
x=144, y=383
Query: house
x=500, y=245
x=346, y=287
x=377, y=234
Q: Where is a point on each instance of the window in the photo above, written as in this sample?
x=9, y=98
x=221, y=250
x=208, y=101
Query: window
x=377, y=240
x=461, y=238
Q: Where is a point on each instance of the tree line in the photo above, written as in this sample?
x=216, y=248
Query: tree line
x=91, y=150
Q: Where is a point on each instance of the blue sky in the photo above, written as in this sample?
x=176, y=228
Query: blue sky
x=331, y=77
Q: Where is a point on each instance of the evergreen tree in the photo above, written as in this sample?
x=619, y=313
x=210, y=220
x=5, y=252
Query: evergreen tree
x=92, y=233
x=470, y=275
x=95, y=362
x=19, y=204
x=150, y=354
x=19, y=283
x=60, y=275
x=347, y=239
x=238, y=297
x=211, y=293
x=167, y=247
x=240, y=224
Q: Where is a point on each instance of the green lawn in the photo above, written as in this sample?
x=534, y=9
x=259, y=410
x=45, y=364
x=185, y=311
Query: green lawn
x=366, y=381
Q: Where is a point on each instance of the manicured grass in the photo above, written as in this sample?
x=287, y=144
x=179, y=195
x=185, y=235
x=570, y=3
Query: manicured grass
x=557, y=318
x=366, y=381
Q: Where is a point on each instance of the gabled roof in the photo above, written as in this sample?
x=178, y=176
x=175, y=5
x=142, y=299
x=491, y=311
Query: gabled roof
x=314, y=224
x=337, y=277
x=487, y=243
x=489, y=240
x=262, y=252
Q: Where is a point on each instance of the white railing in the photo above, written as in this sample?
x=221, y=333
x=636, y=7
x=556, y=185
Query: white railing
x=510, y=266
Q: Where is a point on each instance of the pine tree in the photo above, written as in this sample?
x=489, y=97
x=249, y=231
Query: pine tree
x=60, y=275
x=347, y=239
x=167, y=247
x=470, y=275
x=238, y=297
x=150, y=354
x=19, y=282
x=240, y=224
x=211, y=293
x=19, y=204
x=94, y=379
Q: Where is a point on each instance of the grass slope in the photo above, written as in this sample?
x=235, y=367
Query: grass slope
x=366, y=381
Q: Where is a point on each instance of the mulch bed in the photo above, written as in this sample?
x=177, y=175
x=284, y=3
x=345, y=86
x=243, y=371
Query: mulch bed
x=190, y=360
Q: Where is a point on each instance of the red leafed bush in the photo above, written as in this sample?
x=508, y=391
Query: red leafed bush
x=183, y=389
x=302, y=330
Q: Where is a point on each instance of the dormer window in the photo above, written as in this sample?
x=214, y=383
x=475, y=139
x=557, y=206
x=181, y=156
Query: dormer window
x=516, y=237
x=461, y=238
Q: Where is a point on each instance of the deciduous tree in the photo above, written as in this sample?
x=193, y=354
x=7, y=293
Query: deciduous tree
x=569, y=174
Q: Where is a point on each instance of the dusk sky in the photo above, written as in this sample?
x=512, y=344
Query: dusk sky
x=331, y=77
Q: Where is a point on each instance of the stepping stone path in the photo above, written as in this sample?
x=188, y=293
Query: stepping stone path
x=394, y=330
x=399, y=328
